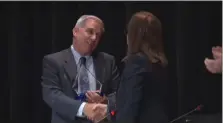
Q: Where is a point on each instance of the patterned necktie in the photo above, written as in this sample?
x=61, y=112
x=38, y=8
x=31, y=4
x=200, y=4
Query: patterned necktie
x=83, y=83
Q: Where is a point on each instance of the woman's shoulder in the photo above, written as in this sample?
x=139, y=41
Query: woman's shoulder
x=140, y=60
x=135, y=62
x=135, y=59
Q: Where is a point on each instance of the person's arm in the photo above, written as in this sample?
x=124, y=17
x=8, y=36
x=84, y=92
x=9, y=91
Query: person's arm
x=115, y=77
x=53, y=95
x=113, y=84
x=129, y=94
x=111, y=87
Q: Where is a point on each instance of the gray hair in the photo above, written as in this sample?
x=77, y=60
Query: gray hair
x=81, y=21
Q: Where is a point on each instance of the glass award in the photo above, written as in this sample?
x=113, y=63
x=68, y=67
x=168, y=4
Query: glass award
x=87, y=78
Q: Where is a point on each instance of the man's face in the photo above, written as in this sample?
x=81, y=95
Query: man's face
x=88, y=36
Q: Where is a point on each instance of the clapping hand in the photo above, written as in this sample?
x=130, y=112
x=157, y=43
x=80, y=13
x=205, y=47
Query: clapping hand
x=214, y=65
x=217, y=52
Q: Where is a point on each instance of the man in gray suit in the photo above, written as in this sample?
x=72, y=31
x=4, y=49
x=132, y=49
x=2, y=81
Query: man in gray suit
x=59, y=84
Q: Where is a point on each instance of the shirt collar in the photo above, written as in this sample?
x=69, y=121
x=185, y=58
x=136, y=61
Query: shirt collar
x=77, y=55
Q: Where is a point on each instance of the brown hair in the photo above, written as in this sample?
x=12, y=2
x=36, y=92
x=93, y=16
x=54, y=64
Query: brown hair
x=145, y=35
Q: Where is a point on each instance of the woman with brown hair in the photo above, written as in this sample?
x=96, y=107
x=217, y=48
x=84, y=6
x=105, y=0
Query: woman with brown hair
x=141, y=93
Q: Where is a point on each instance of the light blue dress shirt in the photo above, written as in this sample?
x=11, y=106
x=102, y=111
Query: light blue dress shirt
x=91, y=75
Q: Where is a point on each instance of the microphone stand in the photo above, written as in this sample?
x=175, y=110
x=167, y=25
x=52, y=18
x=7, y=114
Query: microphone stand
x=198, y=108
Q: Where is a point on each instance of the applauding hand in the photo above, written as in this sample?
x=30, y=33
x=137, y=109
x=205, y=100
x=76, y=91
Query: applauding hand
x=214, y=65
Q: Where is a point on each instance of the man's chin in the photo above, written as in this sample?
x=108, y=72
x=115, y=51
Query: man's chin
x=89, y=52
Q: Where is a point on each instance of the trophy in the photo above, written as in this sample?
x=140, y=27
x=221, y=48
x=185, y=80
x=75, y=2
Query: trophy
x=89, y=77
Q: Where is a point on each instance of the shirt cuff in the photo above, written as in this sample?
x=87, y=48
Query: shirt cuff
x=80, y=110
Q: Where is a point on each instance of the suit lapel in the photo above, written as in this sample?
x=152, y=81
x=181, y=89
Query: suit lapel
x=99, y=70
x=70, y=67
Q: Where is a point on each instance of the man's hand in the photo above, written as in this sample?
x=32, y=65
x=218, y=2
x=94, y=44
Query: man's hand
x=95, y=112
x=215, y=65
x=100, y=112
x=94, y=97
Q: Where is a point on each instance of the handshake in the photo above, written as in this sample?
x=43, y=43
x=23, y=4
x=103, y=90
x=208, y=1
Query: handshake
x=96, y=108
x=95, y=112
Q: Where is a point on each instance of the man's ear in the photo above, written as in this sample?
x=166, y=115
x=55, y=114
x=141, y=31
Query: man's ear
x=75, y=30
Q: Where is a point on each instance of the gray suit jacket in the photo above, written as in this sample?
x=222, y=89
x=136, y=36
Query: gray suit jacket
x=141, y=96
x=58, y=78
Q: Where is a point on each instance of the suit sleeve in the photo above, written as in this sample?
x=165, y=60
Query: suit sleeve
x=115, y=76
x=129, y=94
x=115, y=79
x=52, y=91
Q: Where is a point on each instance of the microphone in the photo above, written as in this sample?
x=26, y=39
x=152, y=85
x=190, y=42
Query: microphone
x=198, y=108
